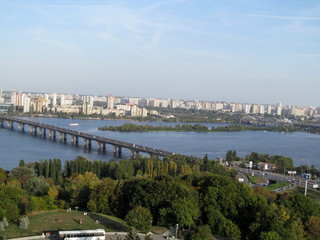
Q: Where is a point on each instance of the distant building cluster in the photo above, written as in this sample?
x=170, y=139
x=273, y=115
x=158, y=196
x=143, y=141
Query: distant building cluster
x=135, y=107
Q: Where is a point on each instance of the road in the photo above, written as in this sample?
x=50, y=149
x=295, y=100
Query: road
x=291, y=180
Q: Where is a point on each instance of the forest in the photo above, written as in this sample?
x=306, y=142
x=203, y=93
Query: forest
x=201, y=195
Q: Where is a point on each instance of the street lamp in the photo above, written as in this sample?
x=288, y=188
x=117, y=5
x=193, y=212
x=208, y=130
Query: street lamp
x=306, y=187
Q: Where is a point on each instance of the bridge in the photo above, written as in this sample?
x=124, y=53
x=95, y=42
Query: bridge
x=76, y=135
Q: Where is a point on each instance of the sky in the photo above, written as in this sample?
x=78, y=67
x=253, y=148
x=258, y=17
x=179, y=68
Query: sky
x=247, y=51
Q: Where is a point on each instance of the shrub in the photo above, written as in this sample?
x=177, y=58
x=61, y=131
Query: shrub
x=24, y=223
x=5, y=222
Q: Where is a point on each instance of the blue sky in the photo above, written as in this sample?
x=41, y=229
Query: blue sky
x=230, y=50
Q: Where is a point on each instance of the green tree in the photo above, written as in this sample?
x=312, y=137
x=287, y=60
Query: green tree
x=12, y=211
x=3, y=176
x=140, y=218
x=302, y=207
x=202, y=233
x=23, y=174
x=47, y=169
x=132, y=235
x=22, y=163
x=270, y=236
x=102, y=196
x=36, y=186
x=2, y=212
x=313, y=228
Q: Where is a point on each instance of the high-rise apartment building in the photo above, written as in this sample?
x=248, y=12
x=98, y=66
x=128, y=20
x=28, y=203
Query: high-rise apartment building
x=54, y=99
x=13, y=96
x=111, y=100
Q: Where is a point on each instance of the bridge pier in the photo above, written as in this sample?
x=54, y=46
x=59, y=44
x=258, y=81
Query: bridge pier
x=89, y=144
x=31, y=130
x=77, y=140
x=50, y=134
x=60, y=138
x=114, y=150
x=2, y=124
x=44, y=132
x=40, y=132
x=21, y=127
x=119, y=151
x=72, y=139
x=64, y=137
x=35, y=130
x=85, y=143
x=104, y=147
x=99, y=146
x=10, y=124
x=132, y=153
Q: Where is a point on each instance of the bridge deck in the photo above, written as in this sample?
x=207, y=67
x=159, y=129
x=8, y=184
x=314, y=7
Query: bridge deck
x=114, y=142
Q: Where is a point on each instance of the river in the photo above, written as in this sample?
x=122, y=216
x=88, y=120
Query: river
x=303, y=148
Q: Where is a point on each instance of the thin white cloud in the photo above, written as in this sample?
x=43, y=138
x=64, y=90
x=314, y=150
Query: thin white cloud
x=202, y=53
x=301, y=18
x=307, y=55
x=56, y=43
x=162, y=3
x=155, y=40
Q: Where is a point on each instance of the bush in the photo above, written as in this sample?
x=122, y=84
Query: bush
x=5, y=222
x=1, y=227
x=24, y=223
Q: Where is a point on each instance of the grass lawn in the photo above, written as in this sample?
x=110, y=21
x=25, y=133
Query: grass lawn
x=277, y=185
x=54, y=221
x=256, y=179
x=314, y=194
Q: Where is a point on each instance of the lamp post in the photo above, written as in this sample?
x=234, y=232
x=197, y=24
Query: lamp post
x=306, y=187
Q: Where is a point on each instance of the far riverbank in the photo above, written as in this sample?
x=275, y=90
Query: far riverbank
x=131, y=127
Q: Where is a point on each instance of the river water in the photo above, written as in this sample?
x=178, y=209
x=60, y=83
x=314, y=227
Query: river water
x=303, y=148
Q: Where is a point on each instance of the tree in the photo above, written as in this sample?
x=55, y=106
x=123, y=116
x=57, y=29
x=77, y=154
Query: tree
x=1, y=214
x=12, y=211
x=140, y=218
x=202, y=233
x=313, y=228
x=36, y=186
x=23, y=174
x=302, y=207
x=22, y=163
x=132, y=235
x=102, y=196
x=269, y=236
x=3, y=175
x=47, y=169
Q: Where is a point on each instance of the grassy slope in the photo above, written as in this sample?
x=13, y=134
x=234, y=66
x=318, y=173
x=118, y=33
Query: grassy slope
x=48, y=222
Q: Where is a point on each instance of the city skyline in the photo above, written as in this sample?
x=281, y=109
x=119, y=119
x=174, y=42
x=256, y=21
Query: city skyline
x=236, y=51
